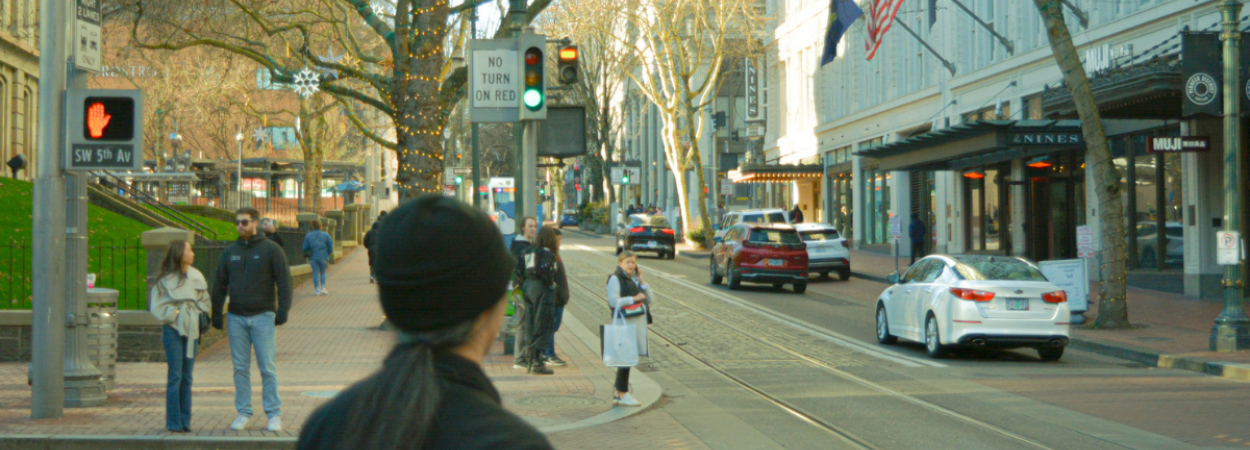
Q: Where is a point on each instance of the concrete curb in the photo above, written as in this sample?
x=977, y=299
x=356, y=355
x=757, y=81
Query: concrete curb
x=694, y=254
x=1153, y=358
x=62, y=442
x=645, y=390
x=581, y=233
x=870, y=277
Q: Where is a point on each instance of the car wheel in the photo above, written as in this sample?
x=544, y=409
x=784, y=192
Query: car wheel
x=824, y=274
x=1050, y=354
x=883, y=327
x=618, y=248
x=800, y=288
x=844, y=275
x=932, y=339
x=716, y=277
x=672, y=254
x=735, y=280
x=778, y=286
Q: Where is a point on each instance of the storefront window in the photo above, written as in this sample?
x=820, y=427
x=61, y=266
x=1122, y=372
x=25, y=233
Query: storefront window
x=987, y=204
x=1152, y=190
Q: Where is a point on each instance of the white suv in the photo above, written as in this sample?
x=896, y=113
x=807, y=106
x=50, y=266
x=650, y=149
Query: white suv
x=752, y=216
x=827, y=250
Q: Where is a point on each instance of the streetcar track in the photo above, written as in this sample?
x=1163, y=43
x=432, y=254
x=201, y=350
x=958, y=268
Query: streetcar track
x=787, y=406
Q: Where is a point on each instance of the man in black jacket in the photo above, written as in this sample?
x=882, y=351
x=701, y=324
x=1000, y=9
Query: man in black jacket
x=253, y=271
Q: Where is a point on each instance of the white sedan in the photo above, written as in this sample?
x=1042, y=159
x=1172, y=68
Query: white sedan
x=975, y=301
x=827, y=250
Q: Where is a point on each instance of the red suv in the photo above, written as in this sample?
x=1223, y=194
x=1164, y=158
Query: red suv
x=760, y=253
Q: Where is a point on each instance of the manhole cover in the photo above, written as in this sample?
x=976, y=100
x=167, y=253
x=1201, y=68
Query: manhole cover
x=320, y=394
x=559, y=401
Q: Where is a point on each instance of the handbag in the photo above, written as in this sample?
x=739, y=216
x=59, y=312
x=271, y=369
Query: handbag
x=619, y=343
x=204, y=325
x=634, y=310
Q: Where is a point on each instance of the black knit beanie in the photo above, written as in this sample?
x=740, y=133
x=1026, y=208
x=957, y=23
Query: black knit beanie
x=439, y=263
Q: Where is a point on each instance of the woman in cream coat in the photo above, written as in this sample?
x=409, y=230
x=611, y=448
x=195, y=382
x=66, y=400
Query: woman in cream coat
x=627, y=288
x=179, y=299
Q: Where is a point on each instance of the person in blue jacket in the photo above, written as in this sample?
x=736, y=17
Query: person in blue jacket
x=318, y=246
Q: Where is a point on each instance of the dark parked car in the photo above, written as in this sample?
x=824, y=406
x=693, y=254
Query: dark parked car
x=646, y=233
x=568, y=218
x=760, y=253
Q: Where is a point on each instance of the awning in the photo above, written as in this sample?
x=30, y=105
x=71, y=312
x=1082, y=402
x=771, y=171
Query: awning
x=975, y=143
x=762, y=173
x=1151, y=90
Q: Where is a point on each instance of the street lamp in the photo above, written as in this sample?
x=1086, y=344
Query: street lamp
x=238, y=196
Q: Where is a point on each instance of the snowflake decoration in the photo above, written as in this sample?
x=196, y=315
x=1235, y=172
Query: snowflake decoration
x=260, y=135
x=349, y=60
x=306, y=83
x=378, y=10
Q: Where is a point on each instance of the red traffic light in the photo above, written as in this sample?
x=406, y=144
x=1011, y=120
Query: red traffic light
x=533, y=56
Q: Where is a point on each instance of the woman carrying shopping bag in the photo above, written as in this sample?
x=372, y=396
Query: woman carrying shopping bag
x=629, y=296
x=181, y=302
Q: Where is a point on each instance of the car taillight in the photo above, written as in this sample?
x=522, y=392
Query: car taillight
x=636, y=229
x=972, y=294
x=1055, y=297
x=844, y=244
x=668, y=231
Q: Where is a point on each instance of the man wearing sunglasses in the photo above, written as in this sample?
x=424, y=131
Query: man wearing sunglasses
x=254, y=272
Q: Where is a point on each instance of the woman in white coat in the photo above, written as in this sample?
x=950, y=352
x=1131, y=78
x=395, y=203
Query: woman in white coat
x=180, y=300
x=630, y=293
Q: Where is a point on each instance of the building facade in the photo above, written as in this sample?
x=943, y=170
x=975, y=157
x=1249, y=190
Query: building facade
x=19, y=83
x=977, y=137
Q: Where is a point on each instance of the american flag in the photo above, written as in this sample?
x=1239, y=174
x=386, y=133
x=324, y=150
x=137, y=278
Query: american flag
x=879, y=17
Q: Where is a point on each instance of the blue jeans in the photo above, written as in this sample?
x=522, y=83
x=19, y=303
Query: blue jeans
x=245, y=333
x=551, y=347
x=319, y=272
x=178, y=390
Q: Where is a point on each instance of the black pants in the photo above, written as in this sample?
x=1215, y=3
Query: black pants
x=622, y=379
x=539, y=320
x=917, y=251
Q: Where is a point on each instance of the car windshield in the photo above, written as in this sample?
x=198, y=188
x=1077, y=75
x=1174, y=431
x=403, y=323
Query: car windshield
x=995, y=268
x=775, y=236
x=774, y=217
x=820, y=235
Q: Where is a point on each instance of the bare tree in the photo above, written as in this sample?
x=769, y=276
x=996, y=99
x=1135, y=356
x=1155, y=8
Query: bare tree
x=1112, y=290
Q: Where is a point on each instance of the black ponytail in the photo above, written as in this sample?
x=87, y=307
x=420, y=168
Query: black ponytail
x=396, y=406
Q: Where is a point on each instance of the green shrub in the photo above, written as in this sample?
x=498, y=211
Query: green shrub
x=702, y=237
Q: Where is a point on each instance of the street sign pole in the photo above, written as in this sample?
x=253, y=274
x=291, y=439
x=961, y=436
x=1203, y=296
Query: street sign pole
x=1232, y=328
x=47, y=364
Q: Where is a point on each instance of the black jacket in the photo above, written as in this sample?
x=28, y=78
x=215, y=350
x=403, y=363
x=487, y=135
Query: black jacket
x=470, y=415
x=916, y=231
x=250, y=270
x=562, y=284
x=276, y=238
x=796, y=215
x=519, y=248
x=369, y=238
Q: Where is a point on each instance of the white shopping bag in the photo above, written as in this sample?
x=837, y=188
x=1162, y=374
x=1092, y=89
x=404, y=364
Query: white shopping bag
x=620, y=344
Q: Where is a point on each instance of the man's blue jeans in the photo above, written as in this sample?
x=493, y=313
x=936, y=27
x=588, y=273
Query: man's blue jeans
x=319, y=272
x=178, y=390
x=551, y=347
x=246, y=333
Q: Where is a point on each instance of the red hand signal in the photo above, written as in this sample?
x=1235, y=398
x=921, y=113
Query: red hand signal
x=97, y=119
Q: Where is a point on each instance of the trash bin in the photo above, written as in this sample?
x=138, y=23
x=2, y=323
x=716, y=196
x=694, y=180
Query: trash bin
x=102, y=333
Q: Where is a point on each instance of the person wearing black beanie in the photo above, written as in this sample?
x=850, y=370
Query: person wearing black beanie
x=442, y=271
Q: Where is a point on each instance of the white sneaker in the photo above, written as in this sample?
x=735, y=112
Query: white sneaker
x=275, y=424
x=324, y=291
x=240, y=423
x=625, y=400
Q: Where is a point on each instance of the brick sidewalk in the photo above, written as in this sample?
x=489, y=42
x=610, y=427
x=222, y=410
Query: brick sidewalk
x=1169, y=330
x=330, y=342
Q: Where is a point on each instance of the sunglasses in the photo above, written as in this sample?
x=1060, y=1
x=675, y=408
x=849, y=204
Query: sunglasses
x=244, y=222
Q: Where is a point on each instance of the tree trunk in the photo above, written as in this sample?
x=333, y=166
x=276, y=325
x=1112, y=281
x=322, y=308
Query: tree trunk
x=1112, y=293
x=415, y=93
x=313, y=156
x=696, y=159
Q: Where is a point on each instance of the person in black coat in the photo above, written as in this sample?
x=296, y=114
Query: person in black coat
x=917, y=232
x=370, y=240
x=540, y=290
x=521, y=246
x=271, y=231
x=431, y=392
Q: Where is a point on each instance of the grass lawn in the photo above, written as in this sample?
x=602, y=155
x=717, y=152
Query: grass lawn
x=115, y=254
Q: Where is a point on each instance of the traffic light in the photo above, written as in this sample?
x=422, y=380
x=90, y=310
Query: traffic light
x=534, y=93
x=459, y=180
x=542, y=191
x=625, y=177
x=567, y=68
x=718, y=120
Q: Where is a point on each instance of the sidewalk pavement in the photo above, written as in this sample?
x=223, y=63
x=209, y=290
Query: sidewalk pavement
x=1169, y=330
x=329, y=343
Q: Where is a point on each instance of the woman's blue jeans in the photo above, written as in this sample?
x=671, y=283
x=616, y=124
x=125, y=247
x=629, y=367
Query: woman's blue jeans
x=178, y=390
x=319, y=272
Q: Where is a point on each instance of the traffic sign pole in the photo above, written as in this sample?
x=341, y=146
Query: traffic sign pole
x=48, y=288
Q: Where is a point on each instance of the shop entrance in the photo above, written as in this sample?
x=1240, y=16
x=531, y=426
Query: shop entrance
x=1055, y=203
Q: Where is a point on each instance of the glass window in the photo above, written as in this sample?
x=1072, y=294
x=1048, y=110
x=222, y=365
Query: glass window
x=776, y=236
x=817, y=236
x=933, y=271
x=657, y=221
x=995, y=268
x=776, y=217
x=916, y=272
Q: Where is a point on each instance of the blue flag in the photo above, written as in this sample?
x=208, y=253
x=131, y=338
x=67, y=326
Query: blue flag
x=842, y=13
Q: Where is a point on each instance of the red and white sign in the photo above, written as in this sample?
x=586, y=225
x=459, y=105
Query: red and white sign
x=1085, y=242
x=253, y=184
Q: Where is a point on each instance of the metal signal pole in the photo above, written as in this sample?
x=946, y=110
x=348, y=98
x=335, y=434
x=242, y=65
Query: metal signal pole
x=1232, y=328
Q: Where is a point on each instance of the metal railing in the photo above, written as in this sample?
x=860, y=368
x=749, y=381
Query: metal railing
x=112, y=181
x=119, y=264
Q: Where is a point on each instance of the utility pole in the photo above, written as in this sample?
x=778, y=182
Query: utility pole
x=477, y=196
x=48, y=310
x=238, y=199
x=1232, y=328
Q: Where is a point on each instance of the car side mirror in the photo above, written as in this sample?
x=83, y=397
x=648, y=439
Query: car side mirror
x=892, y=278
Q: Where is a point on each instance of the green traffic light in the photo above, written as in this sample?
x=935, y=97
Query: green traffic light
x=459, y=179
x=533, y=98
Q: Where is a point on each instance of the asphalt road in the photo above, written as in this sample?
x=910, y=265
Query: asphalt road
x=762, y=368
